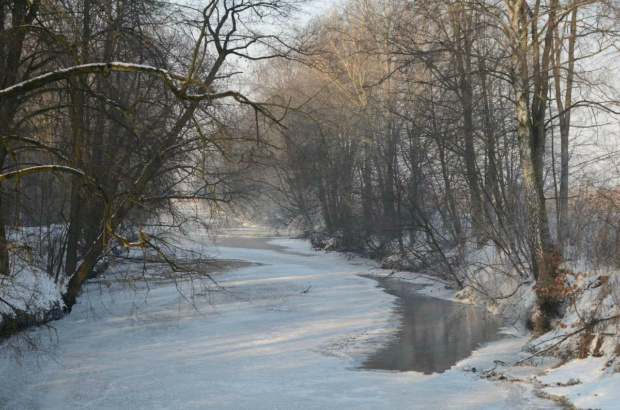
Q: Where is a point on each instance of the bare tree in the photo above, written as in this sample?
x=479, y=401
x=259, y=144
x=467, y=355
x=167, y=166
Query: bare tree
x=142, y=112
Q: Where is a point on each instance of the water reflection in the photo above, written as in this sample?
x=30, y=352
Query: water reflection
x=435, y=333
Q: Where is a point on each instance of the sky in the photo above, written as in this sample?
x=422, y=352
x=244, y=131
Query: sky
x=315, y=7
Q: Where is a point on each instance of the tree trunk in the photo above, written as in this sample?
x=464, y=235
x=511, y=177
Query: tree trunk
x=83, y=271
x=367, y=222
x=78, y=124
x=564, y=115
x=531, y=138
x=22, y=14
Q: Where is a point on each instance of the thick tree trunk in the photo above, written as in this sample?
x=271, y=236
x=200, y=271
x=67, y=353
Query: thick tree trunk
x=22, y=14
x=545, y=257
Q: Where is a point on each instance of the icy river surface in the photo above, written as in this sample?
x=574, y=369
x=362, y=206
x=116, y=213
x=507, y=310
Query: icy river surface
x=433, y=334
x=286, y=328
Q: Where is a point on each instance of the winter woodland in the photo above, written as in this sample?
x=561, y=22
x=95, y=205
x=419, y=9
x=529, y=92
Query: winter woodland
x=296, y=203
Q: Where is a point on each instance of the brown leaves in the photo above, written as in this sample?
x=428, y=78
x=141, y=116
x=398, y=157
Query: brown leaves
x=560, y=288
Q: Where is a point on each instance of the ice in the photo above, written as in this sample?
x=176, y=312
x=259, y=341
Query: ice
x=259, y=344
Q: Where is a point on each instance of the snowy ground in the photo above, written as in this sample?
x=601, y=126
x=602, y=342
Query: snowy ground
x=262, y=344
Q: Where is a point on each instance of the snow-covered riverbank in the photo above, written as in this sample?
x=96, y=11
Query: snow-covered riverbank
x=261, y=344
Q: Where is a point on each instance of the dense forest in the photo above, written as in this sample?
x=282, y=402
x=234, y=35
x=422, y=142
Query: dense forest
x=472, y=141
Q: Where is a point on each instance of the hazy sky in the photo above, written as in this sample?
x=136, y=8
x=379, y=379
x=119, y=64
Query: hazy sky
x=316, y=7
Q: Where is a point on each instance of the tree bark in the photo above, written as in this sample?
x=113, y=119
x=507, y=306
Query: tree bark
x=531, y=139
x=22, y=14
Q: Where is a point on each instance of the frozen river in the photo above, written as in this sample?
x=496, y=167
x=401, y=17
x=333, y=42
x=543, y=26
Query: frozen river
x=291, y=328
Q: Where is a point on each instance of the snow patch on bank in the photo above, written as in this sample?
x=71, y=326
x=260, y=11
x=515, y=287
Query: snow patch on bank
x=30, y=294
x=585, y=383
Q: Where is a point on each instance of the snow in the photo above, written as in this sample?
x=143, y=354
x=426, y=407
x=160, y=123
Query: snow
x=584, y=384
x=29, y=291
x=44, y=77
x=261, y=343
x=590, y=382
x=602, y=394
